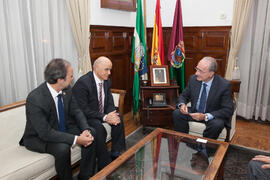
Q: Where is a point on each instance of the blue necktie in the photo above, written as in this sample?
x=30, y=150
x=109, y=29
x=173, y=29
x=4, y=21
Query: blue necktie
x=61, y=113
x=202, y=104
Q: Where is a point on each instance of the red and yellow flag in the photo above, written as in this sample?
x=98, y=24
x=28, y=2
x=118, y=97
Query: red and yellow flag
x=157, y=52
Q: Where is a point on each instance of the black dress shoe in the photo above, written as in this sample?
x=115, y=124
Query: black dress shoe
x=199, y=161
x=115, y=155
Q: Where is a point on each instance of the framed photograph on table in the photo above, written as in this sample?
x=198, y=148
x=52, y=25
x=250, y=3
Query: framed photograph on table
x=159, y=75
x=125, y=5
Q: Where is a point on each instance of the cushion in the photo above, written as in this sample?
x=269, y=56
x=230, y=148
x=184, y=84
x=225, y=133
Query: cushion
x=18, y=162
x=108, y=130
x=196, y=128
x=116, y=97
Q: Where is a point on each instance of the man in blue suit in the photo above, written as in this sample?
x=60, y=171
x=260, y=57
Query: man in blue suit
x=210, y=97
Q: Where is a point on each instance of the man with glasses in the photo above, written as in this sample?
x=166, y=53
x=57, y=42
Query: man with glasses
x=210, y=98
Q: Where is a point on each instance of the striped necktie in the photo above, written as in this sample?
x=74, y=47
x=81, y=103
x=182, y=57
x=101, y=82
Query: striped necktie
x=100, y=97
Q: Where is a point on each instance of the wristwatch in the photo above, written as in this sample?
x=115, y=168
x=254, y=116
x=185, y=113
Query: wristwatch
x=206, y=118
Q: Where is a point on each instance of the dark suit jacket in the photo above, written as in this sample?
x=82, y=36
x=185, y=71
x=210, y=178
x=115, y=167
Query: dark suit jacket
x=42, y=122
x=85, y=91
x=219, y=102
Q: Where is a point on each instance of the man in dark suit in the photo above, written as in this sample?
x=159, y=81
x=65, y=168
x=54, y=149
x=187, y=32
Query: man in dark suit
x=54, y=122
x=210, y=97
x=94, y=97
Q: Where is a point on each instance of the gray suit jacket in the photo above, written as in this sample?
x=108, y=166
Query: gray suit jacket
x=85, y=91
x=42, y=124
x=219, y=102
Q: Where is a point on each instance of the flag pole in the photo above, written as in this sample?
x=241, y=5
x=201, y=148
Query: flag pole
x=145, y=76
x=144, y=18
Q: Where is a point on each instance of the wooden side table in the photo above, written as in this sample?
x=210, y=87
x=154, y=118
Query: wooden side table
x=158, y=116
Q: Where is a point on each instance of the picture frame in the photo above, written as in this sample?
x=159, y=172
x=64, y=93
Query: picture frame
x=125, y=5
x=159, y=75
x=159, y=99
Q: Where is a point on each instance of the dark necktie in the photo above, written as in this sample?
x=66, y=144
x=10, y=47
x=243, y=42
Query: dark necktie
x=100, y=97
x=202, y=104
x=61, y=114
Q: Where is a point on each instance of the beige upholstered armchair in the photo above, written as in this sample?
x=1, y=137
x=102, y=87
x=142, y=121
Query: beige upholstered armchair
x=196, y=128
x=118, y=98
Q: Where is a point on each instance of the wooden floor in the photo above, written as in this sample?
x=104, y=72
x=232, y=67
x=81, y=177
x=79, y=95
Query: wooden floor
x=130, y=124
x=252, y=134
x=249, y=134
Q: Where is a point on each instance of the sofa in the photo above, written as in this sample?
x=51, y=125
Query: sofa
x=18, y=163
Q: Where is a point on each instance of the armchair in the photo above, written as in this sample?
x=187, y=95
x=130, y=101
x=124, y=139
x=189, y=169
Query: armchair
x=118, y=98
x=196, y=128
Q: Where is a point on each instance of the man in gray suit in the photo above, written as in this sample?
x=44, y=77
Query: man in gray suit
x=259, y=168
x=210, y=97
x=54, y=123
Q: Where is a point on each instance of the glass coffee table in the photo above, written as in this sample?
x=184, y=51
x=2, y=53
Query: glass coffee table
x=166, y=154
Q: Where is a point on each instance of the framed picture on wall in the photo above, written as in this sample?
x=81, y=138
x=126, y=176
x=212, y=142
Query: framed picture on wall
x=159, y=75
x=125, y=5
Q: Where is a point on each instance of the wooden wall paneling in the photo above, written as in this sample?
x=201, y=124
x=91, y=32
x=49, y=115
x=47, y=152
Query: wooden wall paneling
x=191, y=41
x=191, y=62
x=99, y=43
x=166, y=42
x=214, y=40
x=117, y=73
x=149, y=34
x=118, y=41
x=129, y=40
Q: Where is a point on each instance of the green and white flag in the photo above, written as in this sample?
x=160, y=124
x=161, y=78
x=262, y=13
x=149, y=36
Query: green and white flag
x=138, y=57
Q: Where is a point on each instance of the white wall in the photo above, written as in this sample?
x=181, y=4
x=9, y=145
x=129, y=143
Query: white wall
x=194, y=12
x=110, y=17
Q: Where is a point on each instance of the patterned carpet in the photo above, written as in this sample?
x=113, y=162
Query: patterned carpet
x=236, y=160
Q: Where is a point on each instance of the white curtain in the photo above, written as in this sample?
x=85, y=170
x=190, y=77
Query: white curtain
x=32, y=32
x=79, y=19
x=254, y=61
x=241, y=11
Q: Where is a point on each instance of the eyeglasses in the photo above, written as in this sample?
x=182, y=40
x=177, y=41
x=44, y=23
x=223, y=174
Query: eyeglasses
x=200, y=71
